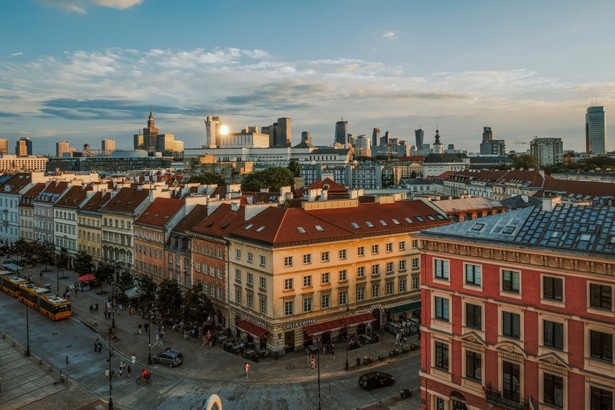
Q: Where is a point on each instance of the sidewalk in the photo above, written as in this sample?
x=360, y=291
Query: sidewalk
x=213, y=364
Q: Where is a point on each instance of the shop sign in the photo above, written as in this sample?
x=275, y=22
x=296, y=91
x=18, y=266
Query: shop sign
x=301, y=323
x=256, y=321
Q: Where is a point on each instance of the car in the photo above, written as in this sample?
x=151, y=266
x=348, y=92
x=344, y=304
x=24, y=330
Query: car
x=169, y=357
x=374, y=380
x=369, y=339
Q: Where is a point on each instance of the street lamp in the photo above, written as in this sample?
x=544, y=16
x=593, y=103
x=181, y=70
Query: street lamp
x=27, y=331
x=149, y=336
x=110, y=372
x=319, y=405
x=347, y=367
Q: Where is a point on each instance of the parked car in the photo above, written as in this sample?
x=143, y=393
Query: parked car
x=169, y=358
x=369, y=339
x=374, y=380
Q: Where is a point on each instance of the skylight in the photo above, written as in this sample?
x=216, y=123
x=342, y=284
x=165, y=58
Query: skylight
x=369, y=224
x=300, y=229
x=440, y=217
x=508, y=230
x=478, y=226
x=248, y=226
x=355, y=225
x=585, y=237
x=420, y=219
x=431, y=217
x=260, y=228
x=395, y=221
x=383, y=222
x=408, y=220
x=319, y=228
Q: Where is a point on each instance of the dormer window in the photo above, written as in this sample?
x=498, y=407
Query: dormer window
x=369, y=224
x=248, y=226
x=319, y=228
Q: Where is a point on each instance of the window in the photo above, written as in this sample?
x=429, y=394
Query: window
x=237, y=295
x=416, y=282
x=343, y=297
x=389, y=247
x=600, y=399
x=375, y=290
x=389, y=288
x=361, y=251
x=288, y=261
x=324, y=301
x=511, y=381
x=262, y=260
x=441, y=269
x=360, y=293
x=510, y=281
x=552, y=288
x=553, y=390
x=402, y=265
x=249, y=300
x=262, y=283
x=237, y=275
x=402, y=245
x=342, y=254
x=600, y=296
x=307, y=305
x=553, y=334
x=375, y=270
x=441, y=305
x=289, y=306
x=361, y=272
x=288, y=284
x=250, y=257
x=601, y=345
x=307, y=259
x=402, y=285
x=324, y=257
x=307, y=281
x=263, y=305
x=473, y=274
x=415, y=243
x=473, y=365
x=324, y=278
x=343, y=275
x=250, y=279
x=415, y=263
x=375, y=249
x=511, y=325
x=442, y=356
x=474, y=316
x=389, y=267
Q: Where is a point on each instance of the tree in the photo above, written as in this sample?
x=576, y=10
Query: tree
x=525, y=161
x=207, y=178
x=61, y=260
x=294, y=167
x=271, y=179
x=26, y=250
x=169, y=300
x=148, y=289
x=104, y=273
x=83, y=263
x=124, y=280
x=197, y=306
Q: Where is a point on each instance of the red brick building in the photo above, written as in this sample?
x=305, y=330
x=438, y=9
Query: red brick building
x=518, y=310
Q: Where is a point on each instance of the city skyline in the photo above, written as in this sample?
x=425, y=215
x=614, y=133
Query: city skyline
x=84, y=71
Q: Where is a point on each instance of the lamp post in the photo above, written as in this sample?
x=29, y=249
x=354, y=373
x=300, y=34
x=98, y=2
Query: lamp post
x=347, y=367
x=113, y=296
x=27, y=331
x=319, y=404
x=149, y=337
x=110, y=372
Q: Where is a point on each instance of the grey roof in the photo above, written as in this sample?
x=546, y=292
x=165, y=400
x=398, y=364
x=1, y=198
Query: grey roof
x=587, y=229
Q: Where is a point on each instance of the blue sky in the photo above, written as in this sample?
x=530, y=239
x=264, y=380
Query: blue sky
x=84, y=70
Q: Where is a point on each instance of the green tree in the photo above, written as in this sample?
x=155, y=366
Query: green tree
x=294, y=167
x=271, y=179
x=83, y=263
x=46, y=253
x=124, y=280
x=104, y=273
x=197, y=306
x=525, y=161
x=148, y=290
x=62, y=260
x=207, y=178
x=169, y=300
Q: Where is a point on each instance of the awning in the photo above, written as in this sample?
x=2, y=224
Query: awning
x=337, y=324
x=408, y=307
x=251, y=328
x=87, y=277
x=132, y=293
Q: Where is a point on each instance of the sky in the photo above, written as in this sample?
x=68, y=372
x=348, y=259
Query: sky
x=87, y=70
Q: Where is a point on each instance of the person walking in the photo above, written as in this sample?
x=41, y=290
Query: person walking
x=96, y=345
x=246, y=368
x=129, y=371
x=133, y=359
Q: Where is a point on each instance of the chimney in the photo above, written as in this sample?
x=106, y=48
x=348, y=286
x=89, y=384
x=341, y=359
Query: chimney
x=548, y=204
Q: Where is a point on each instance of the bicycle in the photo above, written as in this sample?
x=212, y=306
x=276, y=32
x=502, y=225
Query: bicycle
x=144, y=379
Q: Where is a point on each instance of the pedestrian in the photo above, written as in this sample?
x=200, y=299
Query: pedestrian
x=146, y=327
x=99, y=347
x=96, y=345
x=140, y=328
x=129, y=371
x=246, y=368
x=107, y=373
x=91, y=308
x=121, y=370
x=96, y=307
x=312, y=361
x=133, y=359
x=41, y=274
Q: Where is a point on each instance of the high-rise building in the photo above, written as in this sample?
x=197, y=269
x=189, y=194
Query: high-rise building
x=148, y=139
x=491, y=146
x=362, y=146
x=4, y=146
x=62, y=147
x=283, y=132
x=108, y=146
x=375, y=137
x=341, y=132
x=549, y=151
x=23, y=147
x=595, y=131
x=419, y=138
x=306, y=137
x=212, y=126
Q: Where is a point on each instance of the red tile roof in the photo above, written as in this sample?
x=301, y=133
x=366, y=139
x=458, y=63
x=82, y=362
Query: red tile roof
x=73, y=197
x=222, y=221
x=198, y=213
x=16, y=183
x=96, y=202
x=31, y=194
x=159, y=212
x=126, y=200
x=580, y=189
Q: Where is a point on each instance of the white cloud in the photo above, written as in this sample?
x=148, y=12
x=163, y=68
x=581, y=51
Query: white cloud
x=390, y=35
x=81, y=6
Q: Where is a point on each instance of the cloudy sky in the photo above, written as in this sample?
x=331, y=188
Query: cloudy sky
x=84, y=70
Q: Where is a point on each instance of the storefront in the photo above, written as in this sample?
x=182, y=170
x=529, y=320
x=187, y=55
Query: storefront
x=404, y=311
x=252, y=331
x=334, y=330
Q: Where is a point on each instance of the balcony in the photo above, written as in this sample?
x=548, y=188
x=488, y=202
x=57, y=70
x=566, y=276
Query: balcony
x=498, y=398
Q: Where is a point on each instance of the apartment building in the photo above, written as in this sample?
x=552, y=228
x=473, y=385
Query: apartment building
x=43, y=210
x=89, y=222
x=10, y=195
x=65, y=225
x=518, y=310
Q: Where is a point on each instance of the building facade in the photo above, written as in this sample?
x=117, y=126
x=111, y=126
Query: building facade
x=595, y=131
x=548, y=151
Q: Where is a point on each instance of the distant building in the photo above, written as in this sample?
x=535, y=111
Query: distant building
x=63, y=147
x=549, y=151
x=306, y=138
x=595, y=131
x=375, y=137
x=419, y=136
x=4, y=146
x=362, y=147
x=23, y=147
x=108, y=146
x=491, y=146
x=341, y=132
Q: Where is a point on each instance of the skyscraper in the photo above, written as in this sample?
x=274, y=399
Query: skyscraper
x=62, y=147
x=595, y=131
x=108, y=146
x=375, y=137
x=4, y=146
x=419, y=138
x=23, y=147
x=341, y=132
x=283, y=132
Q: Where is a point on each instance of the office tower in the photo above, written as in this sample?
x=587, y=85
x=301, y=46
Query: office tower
x=341, y=132
x=165, y=143
x=148, y=139
x=419, y=138
x=62, y=147
x=595, y=131
x=375, y=137
x=4, y=146
x=306, y=137
x=23, y=147
x=549, y=151
x=283, y=132
x=490, y=146
x=108, y=146
x=212, y=126
x=385, y=140
x=362, y=146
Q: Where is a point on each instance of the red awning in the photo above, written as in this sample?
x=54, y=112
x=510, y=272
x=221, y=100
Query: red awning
x=337, y=324
x=251, y=328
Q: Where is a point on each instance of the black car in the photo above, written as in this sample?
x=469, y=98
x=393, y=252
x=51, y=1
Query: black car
x=374, y=380
x=169, y=357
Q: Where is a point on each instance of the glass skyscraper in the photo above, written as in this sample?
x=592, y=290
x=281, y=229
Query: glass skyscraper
x=595, y=131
